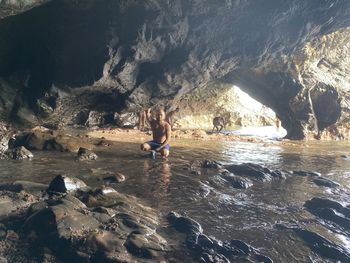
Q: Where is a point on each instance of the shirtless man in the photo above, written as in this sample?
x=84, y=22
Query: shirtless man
x=161, y=131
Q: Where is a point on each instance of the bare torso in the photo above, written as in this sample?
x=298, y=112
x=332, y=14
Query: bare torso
x=159, y=131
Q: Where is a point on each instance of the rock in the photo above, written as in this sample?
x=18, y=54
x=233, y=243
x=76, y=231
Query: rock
x=184, y=224
x=211, y=257
x=329, y=210
x=40, y=138
x=322, y=246
x=321, y=181
x=64, y=184
x=143, y=246
x=19, y=153
x=126, y=120
x=85, y=154
x=211, y=164
x=237, y=181
x=254, y=171
x=115, y=178
x=306, y=173
x=95, y=119
x=29, y=187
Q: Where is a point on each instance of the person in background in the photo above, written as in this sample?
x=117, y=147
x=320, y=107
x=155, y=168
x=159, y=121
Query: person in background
x=169, y=116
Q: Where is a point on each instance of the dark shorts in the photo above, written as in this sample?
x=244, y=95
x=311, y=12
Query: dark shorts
x=154, y=145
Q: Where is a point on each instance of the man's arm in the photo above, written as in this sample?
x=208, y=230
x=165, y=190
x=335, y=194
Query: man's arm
x=167, y=137
x=148, y=115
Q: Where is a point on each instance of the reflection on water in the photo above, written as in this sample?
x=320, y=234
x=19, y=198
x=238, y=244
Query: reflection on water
x=224, y=212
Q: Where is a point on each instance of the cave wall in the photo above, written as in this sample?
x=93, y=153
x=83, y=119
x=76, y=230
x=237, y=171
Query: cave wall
x=145, y=53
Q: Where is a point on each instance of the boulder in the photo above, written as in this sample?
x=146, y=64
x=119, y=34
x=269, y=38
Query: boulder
x=65, y=184
x=85, y=154
x=126, y=120
x=95, y=119
x=19, y=153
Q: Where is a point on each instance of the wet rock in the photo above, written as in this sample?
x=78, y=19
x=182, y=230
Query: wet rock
x=212, y=257
x=95, y=119
x=254, y=171
x=29, y=187
x=103, y=143
x=237, y=181
x=3, y=231
x=126, y=120
x=64, y=184
x=60, y=224
x=115, y=178
x=211, y=164
x=85, y=154
x=306, y=173
x=321, y=181
x=329, y=210
x=40, y=138
x=322, y=246
x=19, y=153
x=143, y=246
x=210, y=249
x=184, y=224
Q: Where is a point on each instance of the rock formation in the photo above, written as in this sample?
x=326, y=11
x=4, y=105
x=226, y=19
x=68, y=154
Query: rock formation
x=61, y=57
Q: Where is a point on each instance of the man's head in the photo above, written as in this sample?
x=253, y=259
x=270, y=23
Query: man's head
x=160, y=115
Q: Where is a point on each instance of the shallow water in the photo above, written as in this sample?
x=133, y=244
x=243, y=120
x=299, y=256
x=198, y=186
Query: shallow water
x=224, y=212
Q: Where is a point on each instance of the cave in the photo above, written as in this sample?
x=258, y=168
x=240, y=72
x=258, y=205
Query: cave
x=84, y=83
x=152, y=53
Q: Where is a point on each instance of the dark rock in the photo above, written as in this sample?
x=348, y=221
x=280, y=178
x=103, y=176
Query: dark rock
x=321, y=181
x=254, y=171
x=85, y=154
x=306, y=173
x=184, y=224
x=329, y=210
x=237, y=181
x=211, y=164
x=64, y=184
x=115, y=178
x=19, y=153
x=322, y=246
x=244, y=247
x=212, y=257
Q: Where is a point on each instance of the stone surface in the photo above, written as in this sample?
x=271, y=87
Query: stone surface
x=64, y=184
x=19, y=153
x=85, y=154
x=207, y=249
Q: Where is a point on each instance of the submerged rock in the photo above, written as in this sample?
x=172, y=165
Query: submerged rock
x=329, y=210
x=237, y=181
x=322, y=246
x=209, y=249
x=321, y=181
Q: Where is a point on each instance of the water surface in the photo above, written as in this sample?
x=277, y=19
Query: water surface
x=224, y=212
